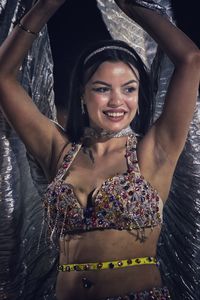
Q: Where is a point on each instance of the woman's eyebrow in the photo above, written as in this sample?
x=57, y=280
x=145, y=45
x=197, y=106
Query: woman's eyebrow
x=101, y=82
x=109, y=85
x=130, y=81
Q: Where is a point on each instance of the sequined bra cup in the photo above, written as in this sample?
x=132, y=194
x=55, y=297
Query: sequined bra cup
x=125, y=201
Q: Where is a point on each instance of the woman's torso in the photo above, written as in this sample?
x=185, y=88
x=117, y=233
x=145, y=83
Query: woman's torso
x=104, y=242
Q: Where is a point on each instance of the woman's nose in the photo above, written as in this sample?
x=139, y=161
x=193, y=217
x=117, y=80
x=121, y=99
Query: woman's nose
x=116, y=99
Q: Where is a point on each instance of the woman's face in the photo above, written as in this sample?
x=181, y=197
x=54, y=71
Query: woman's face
x=111, y=96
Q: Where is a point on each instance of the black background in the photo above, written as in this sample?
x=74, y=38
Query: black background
x=79, y=22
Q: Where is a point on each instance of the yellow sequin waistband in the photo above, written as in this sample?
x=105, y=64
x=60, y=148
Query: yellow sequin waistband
x=114, y=264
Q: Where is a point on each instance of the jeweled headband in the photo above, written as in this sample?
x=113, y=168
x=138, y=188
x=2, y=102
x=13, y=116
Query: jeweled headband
x=106, y=48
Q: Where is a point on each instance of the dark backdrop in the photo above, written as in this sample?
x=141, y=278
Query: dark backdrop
x=79, y=22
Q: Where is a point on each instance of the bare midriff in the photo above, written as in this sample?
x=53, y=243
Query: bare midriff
x=107, y=245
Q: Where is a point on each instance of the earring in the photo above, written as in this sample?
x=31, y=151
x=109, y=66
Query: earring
x=82, y=106
x=138, y=111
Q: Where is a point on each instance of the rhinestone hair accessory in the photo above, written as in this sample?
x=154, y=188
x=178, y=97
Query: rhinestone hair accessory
x=120, y=48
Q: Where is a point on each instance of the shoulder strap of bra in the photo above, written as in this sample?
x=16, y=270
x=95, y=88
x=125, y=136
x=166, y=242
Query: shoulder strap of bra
x=61, y=152
x=132, y=154
x=67, y=160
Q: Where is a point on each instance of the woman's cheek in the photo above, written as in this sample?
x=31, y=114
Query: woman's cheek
x=133, y=101
x=100, y=100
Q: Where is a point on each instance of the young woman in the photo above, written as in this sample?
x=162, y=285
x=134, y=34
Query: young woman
x=107, y=187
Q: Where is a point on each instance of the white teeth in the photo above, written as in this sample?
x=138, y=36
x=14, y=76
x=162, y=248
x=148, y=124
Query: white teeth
x=115, y=114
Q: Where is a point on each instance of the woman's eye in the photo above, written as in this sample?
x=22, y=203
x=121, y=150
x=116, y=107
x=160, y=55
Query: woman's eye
x=101, y=89
x=129, y=89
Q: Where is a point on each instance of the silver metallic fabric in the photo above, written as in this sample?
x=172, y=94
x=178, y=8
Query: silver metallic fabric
x=27, y=266
x=154, y=5
x=27, y=262
x=179, y=244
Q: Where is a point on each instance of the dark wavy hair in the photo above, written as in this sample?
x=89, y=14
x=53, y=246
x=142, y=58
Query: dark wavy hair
x=84, y=69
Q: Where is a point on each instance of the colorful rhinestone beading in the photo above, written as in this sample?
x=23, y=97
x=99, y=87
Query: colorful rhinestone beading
x=126, y=201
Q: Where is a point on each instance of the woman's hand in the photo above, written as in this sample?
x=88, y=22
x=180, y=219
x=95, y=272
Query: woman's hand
x=51, y=3
x=127, y=6
x=122, y=3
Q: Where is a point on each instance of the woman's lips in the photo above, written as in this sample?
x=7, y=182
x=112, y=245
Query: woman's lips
x=115, y=115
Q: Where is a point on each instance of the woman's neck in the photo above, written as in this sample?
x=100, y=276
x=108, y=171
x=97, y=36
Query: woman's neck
x=102, y=142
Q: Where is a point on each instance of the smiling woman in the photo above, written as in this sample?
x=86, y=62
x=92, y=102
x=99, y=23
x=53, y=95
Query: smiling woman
x=113, y=75
x=107, y=186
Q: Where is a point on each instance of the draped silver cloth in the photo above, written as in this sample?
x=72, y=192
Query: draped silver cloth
x=26, y=270
x=27, y=262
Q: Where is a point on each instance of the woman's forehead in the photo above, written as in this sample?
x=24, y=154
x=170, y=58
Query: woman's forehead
x=118, y=68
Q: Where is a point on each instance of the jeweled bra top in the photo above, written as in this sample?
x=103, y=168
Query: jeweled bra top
x=124, y=201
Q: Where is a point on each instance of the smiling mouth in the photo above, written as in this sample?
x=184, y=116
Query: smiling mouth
x=114, y=114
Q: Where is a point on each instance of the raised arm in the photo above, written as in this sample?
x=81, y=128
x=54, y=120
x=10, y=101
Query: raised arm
x=170, y=130
x=37, y=132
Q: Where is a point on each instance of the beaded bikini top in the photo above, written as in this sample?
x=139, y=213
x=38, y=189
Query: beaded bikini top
x=124, y=201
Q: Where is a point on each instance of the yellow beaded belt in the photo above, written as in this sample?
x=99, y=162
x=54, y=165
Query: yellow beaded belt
x=114, y=264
